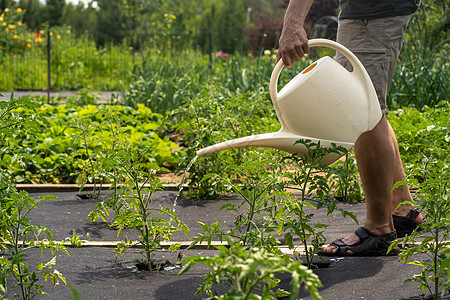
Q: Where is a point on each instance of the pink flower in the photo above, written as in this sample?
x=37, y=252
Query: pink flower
x=220, y=53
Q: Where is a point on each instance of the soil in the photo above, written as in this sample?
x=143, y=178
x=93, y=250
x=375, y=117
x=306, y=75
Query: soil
x=95, y=272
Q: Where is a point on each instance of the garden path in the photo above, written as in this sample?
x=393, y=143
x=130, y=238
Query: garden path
x=104, y=96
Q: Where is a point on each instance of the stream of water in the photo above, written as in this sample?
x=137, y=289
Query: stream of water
x=180, y=187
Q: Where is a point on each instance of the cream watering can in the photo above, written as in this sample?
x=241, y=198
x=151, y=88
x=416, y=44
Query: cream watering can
x=324, y=103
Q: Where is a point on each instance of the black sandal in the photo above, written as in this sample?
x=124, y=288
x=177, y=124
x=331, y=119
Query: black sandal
x=406, y=225
x=369, y=244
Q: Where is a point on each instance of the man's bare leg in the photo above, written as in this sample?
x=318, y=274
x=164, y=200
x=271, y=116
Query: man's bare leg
x=377, y=158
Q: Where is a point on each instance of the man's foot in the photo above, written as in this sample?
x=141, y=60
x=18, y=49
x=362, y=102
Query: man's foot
x=361, y=243
x=405, y=224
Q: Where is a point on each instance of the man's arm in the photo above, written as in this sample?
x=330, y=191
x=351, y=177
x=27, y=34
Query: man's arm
x=293, y=42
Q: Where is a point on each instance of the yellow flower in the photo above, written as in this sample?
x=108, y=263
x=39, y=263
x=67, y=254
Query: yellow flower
x=39, y=40
x=68, y=31
x=28, y=45
x=1, y=19
x=267, y=52
x=19, y=10
x=6, y=10
x=15, y=36
x=19, y=23
x=58, y=36
x=51, y=33
x=41, y=31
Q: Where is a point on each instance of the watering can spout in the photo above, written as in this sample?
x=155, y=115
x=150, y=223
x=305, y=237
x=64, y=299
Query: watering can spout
x=281, y=140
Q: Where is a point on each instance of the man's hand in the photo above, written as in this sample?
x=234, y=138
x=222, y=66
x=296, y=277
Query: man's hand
x=293, y=45
x=294, y=40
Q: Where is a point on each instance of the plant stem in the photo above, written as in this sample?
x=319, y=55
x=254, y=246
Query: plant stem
x=306, y=179
x=435, y=261
x=250, y=214
x=251, y=287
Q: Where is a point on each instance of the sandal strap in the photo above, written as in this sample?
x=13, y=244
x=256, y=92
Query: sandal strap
x=363, y=233
x=413, y=213
x=341, y=246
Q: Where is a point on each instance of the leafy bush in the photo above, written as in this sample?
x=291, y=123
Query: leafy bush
x=212, y=118
x=422, y=135
x=69, y=140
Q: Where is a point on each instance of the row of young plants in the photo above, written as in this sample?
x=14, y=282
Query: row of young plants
x=424, y=141
x=267, y=210
x=134, y=184
x=17, y=234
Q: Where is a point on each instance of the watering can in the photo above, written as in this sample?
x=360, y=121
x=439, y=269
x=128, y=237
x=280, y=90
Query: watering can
x=324, y=103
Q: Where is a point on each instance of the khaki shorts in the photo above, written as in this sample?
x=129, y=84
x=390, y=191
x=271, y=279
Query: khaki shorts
x=377, y=44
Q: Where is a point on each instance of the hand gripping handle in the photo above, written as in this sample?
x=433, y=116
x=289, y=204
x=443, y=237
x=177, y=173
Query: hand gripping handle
x=358, y=69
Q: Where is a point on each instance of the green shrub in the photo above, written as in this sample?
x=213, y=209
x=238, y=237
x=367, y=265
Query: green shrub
x=68, y=142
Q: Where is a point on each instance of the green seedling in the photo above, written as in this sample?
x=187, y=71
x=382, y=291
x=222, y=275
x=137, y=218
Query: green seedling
x=76, y=239
x=249, y=273
x=17, y=237
x=310, y=178
x=132, y=205
x=431, y=237
x=348, y=186
x=257, y=181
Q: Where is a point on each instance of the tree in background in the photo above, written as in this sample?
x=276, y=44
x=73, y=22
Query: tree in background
x=34, y=13
x=111, y=24
x=5, y=3
x=54, y=11
x=229, y=23
x=221, y=23
x=81, y=18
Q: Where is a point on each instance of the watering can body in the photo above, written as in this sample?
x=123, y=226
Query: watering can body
x=324, y=103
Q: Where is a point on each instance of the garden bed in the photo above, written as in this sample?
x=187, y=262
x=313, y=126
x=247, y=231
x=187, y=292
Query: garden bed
x=95, y=274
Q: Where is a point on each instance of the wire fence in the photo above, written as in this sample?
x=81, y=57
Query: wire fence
x=60, y=62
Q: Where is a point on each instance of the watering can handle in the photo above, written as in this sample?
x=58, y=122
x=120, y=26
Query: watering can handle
x=358, y=68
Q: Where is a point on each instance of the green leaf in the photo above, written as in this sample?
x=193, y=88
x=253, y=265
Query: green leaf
x=289, y=240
